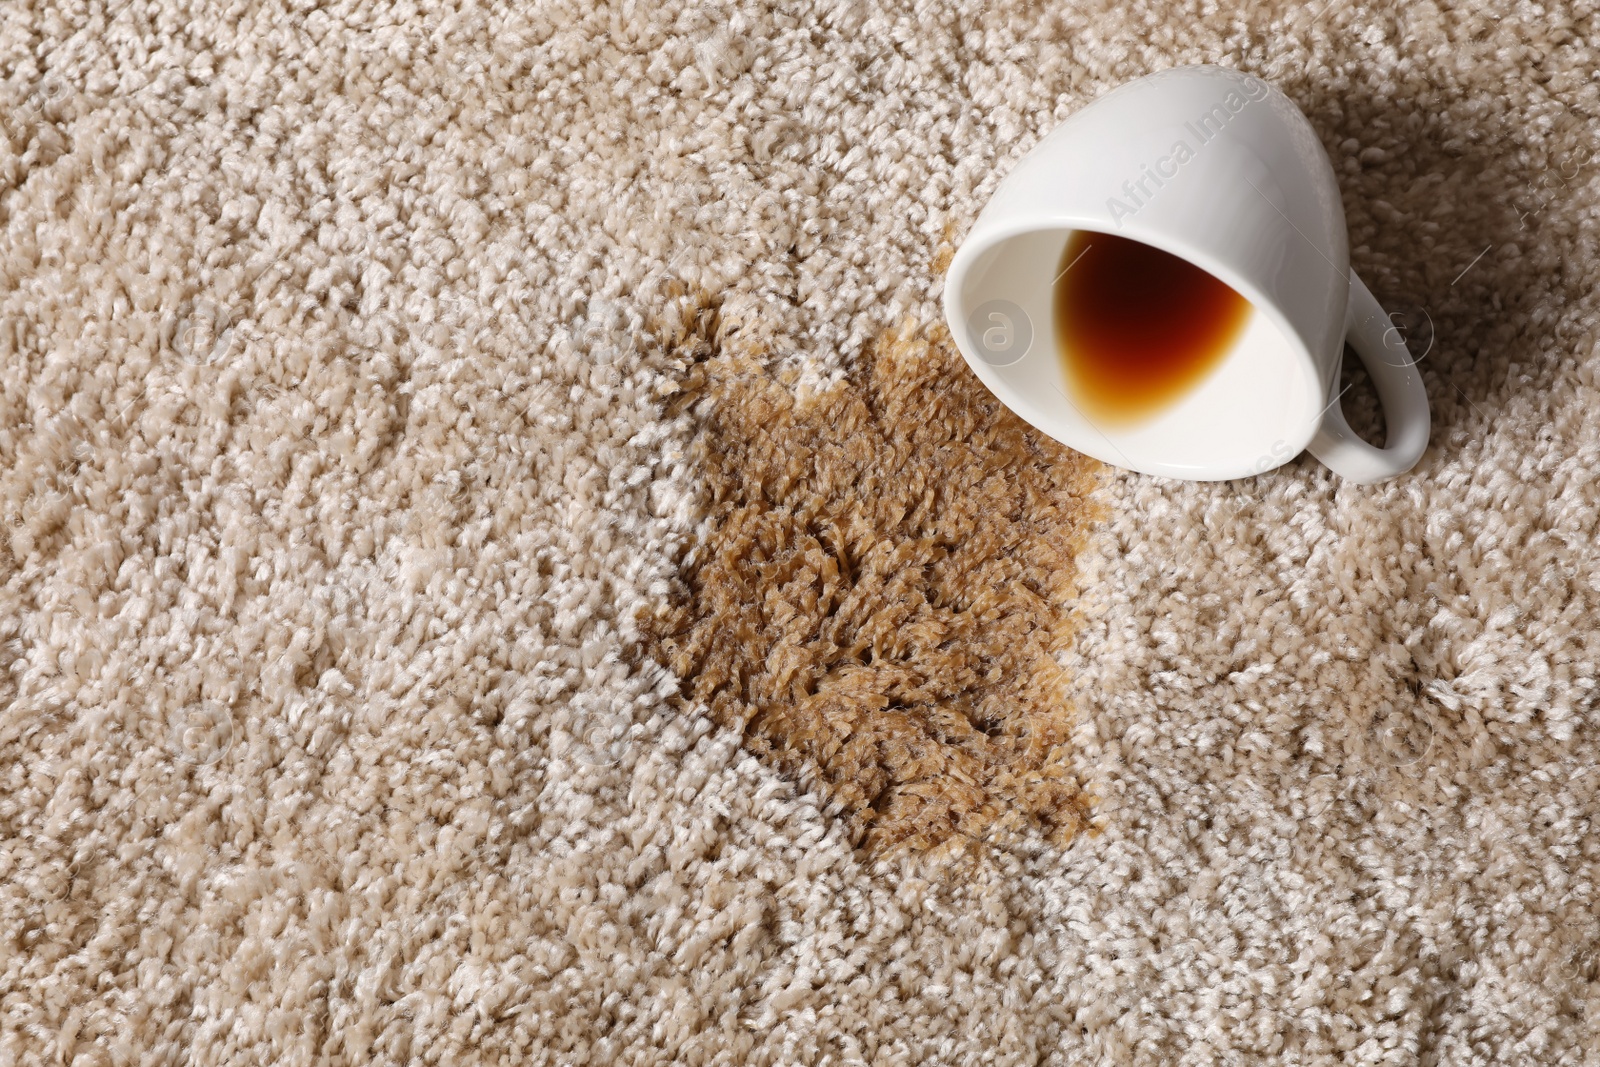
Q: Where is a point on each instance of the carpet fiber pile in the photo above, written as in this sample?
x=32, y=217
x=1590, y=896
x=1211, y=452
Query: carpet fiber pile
x=500, y=562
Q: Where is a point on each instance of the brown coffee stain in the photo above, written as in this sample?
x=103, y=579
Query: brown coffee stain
x=886, y=583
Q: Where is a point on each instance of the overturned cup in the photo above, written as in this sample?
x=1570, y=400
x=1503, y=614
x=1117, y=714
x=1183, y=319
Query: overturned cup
x=1216, y=177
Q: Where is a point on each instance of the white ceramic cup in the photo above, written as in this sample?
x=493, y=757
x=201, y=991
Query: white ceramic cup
x=1223, y=170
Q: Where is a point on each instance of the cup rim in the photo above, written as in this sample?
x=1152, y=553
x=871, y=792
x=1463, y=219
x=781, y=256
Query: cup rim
x=981, y=241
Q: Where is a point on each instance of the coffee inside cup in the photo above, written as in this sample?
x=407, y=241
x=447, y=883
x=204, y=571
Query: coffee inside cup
x=1138, y=328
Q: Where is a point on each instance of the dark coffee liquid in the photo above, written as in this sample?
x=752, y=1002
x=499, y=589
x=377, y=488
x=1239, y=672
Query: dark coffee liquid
x=1137, y=327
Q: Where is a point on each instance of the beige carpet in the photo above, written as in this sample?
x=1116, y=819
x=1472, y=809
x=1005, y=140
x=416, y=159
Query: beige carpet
x=500, y=564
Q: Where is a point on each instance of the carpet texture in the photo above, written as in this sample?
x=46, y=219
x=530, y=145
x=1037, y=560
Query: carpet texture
x=500, y=563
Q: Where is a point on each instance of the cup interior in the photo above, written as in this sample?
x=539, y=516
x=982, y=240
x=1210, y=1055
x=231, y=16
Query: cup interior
x=1256, y=407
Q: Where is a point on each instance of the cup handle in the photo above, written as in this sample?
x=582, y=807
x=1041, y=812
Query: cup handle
x=1405, y=400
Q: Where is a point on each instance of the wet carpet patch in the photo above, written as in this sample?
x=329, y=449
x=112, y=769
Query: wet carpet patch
x=885, y=584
